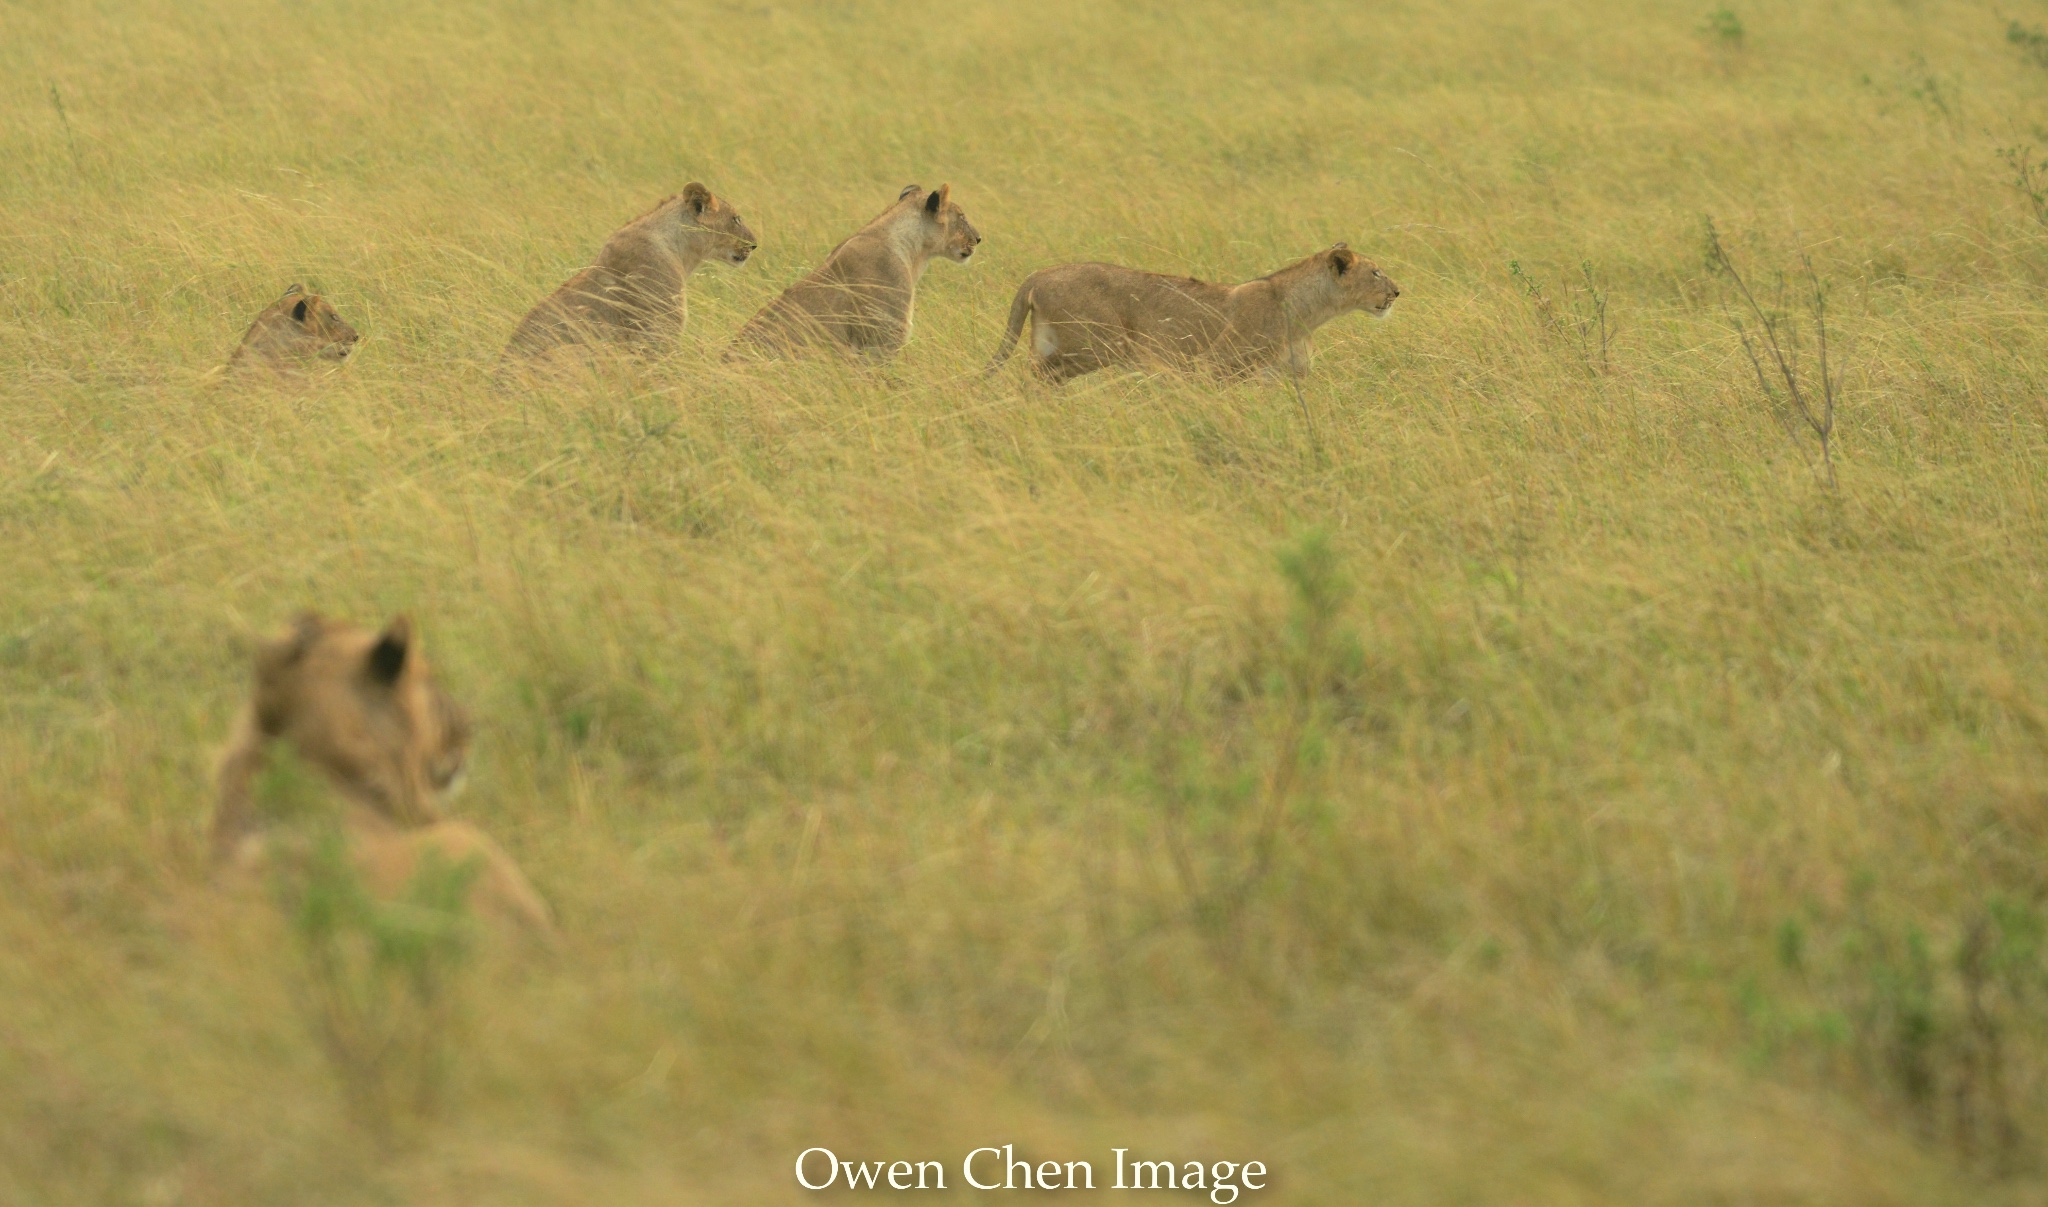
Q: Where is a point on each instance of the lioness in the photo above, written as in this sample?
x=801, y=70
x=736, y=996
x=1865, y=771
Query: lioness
x=633, y=296
x=861, y=298
x=362, y=707
x=1086, y=317
x=295, y=331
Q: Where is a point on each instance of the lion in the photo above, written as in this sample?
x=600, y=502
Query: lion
x=363, y=707
x=861, y=298
x=633, y=297
x=297, y=330
x=1086, y=317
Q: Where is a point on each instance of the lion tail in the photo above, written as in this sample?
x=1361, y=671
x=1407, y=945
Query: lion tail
x=1020, y=313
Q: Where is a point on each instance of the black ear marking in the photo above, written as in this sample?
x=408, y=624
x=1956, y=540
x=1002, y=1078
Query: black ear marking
x=386, y=660
x=931, y=204
x=299, y=311
x=1342, y=258
x=908, y=190
x=293, y=288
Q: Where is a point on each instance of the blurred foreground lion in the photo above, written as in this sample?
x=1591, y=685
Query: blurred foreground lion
x=363, y=708
x=1086, y=317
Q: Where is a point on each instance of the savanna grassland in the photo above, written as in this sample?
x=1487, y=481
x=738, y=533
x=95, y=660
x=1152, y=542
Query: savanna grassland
x=1505, y=773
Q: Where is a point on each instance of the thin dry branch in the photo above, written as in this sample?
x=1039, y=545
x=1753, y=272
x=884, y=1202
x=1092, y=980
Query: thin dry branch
x=1780, y=339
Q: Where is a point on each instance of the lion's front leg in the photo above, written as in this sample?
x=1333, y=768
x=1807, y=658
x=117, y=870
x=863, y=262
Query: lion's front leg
x=1297, y=359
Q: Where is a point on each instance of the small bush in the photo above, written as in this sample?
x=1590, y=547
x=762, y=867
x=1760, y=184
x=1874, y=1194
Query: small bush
x=2031, y=39
x=382, y=983
x=1583, y=317
x=1773, y=346
x=2030, y=177
x=1226, y=826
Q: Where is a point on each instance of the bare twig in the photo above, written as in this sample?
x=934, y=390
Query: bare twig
x=70, y=139
x=1315, y=439
x=1778, y=335
x=1294, y=370
x=1598, y=320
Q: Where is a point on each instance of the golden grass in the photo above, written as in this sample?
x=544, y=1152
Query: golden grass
x=890, y=743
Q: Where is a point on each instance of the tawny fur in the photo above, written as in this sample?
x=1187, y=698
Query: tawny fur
x=363, y=707
x=388, y=857
x=299, y=331
x=862, y=298
x=632, y=298
x=1086, y=317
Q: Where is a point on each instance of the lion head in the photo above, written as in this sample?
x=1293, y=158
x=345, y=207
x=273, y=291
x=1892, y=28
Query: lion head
x=1362, y=283
x=363, y=707
x=948, y=233
x=729, y=237
x=296, y=330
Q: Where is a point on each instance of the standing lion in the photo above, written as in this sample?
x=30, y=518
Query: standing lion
x=1086, y=317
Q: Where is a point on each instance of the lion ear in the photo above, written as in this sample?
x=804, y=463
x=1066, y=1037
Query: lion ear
x=696, y=196
x=936, y=203
x=1342, y=258
x=275, y=653
x=275, y=656
x=386, y=659
x=299, y=311
x=909, y=190
x=293, y=289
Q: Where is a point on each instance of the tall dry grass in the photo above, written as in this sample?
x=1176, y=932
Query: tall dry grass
x=1510, y=779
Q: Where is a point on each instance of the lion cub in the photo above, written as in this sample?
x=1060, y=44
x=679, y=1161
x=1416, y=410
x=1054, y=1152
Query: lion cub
x=363, y=708
x=296, y=331
x=861, y=298
x=633, y=296
x=1086, y=317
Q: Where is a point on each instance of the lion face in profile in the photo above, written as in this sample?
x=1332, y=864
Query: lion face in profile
x=363, y=707
x=735, y=240
x=296, y=330
x=954, y=235
x=1364, y=286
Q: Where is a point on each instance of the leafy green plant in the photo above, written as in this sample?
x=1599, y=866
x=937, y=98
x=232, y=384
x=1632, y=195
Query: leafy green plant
x=1224, y=836
x=2030, y=177
x=382, y=982
x=2031, y=39
x=1723, y=26
x=1939, y=1022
